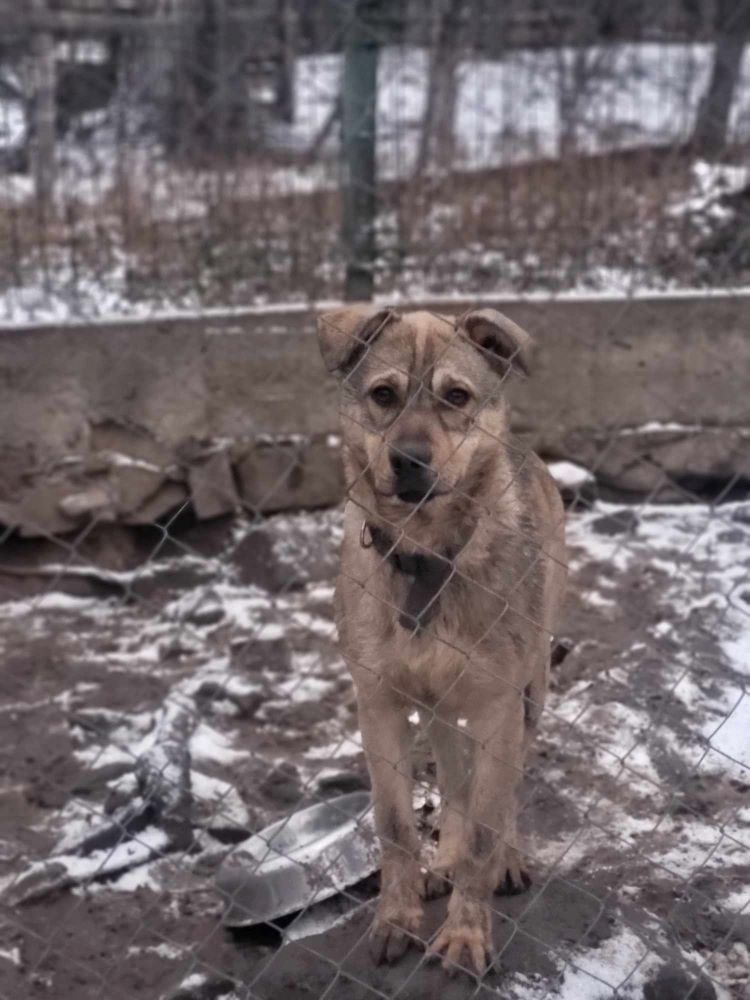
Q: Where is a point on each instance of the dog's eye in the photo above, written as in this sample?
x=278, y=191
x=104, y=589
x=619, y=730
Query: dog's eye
x=383, y=395
x=457, y=397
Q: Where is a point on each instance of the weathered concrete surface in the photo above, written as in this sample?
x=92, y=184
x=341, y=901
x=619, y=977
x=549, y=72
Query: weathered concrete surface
x=122, y=416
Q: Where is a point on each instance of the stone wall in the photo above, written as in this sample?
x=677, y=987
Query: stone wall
x=128, y=421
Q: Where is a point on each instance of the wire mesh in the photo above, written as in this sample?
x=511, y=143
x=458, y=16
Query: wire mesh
x=177, y=672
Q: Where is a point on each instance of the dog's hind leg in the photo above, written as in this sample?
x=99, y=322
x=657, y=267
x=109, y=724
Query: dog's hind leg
x=513, y=877
x=387, y=742
x=534, y=697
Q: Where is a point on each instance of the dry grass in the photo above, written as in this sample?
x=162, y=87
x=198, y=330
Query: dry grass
x=214, y=239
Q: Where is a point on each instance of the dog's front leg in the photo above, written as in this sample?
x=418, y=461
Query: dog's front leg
x=387, y=743
x=496, y=730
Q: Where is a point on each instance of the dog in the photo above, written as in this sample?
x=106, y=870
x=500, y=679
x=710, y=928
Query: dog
x=451, y=585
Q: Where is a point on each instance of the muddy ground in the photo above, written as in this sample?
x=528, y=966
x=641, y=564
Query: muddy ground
x=637, y=802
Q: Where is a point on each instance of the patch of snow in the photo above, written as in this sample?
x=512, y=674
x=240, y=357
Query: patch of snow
x=193, y=981
x=732, y=736
x=209, y=745
x=656, y=427
x=12, y=955
x=620, y=963
x=348, y=745
x=569, y=475
x=711, y=182
x=303, y=689
x=163, y=950
x=221, y=798
x=737, y=649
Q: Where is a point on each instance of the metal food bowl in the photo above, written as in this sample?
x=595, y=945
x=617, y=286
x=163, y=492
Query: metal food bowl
x=299, y=861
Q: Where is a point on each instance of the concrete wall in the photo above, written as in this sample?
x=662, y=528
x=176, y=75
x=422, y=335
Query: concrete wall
x=126, y=420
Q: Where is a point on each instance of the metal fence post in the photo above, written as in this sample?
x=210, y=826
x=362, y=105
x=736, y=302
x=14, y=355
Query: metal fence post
x=358, y=135
x=42, y=146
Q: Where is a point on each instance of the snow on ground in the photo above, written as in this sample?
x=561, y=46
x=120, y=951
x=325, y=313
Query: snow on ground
x=637, y=800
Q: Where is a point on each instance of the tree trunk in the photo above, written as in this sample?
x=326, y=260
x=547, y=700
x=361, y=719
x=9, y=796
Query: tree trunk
x=209, y=112
x=578, y=73
x=711, y=131
x=437, y=141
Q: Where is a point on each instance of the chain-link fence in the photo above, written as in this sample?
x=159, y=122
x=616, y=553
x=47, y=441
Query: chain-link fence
x=548, y=797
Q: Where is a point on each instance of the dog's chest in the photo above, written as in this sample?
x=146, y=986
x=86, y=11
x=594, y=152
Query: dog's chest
x=424, y=667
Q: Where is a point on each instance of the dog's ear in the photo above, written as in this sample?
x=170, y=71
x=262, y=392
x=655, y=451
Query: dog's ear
x=502, y=342
x=345, y=334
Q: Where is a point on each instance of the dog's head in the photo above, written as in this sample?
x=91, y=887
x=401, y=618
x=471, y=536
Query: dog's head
x=423, y=399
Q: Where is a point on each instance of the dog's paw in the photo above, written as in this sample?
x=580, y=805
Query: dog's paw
x=514, y=877
x=394, y=928
x=465, y=940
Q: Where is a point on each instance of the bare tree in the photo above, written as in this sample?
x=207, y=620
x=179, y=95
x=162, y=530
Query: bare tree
x=209, y=109
x=437, y=138
x=579, y=70
x=712, y=121
x=582, y=63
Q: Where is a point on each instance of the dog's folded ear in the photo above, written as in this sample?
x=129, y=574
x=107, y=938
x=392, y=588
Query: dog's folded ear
x=345, y=334
x=504, y=344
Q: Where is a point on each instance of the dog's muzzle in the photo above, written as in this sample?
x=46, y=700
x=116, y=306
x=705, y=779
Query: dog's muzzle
x=413, y=478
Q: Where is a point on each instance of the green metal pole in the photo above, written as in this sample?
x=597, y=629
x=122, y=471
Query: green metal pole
x=358, y=103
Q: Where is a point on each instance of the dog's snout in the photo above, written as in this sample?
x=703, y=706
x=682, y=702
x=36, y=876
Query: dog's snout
x=410, y=456
x=413, y=477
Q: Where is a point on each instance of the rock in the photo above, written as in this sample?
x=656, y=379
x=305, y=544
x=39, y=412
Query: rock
x=95, y=500
x=111, y=546
x=673, y=983
x=292, y=473
x=344, y=782
x=36, y=512
x=204, y=609
x=95, y=779
x=620, y=522
x=257, y=564
x=212, y=488
x=111, y=441
x=671, y=459
x=246, y=705
x=133, y=485
x=254, y=656
x=209, y=538
x=167, y=499
x=282, y=785
x=305, y=555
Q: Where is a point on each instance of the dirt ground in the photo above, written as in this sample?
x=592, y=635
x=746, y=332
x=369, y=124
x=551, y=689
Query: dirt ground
x=637, y=802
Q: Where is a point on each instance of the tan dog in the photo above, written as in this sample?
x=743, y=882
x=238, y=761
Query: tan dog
x=452, y=578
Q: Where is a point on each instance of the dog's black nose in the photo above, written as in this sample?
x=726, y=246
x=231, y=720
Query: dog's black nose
x=409, y=457
x=413, y=477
